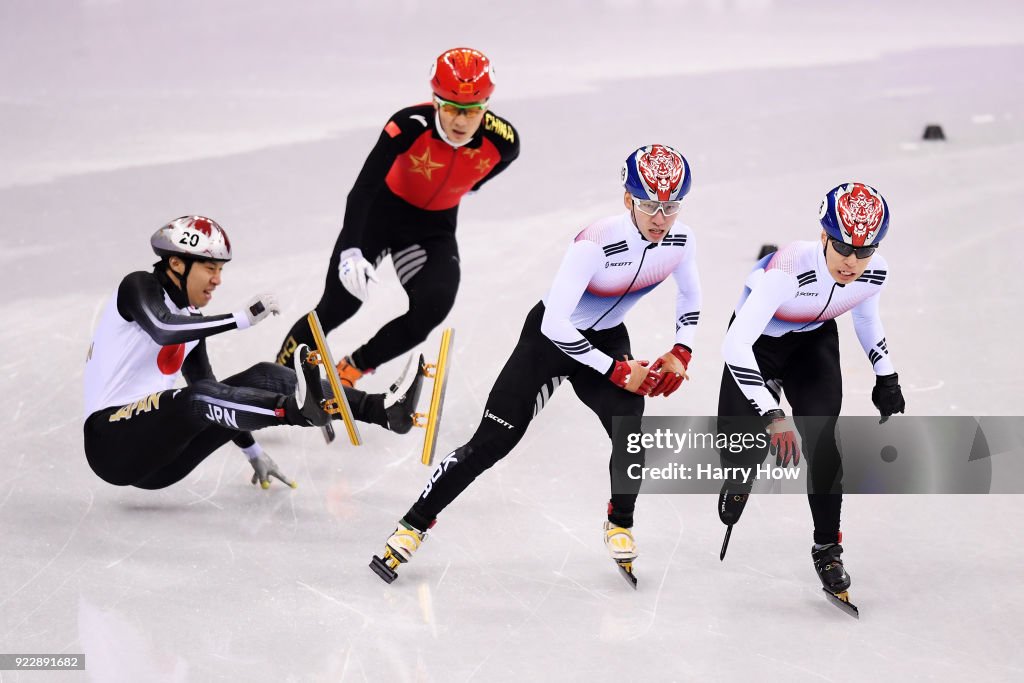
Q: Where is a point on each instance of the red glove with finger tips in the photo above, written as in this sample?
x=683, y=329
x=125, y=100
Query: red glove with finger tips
x=784, y=445
x=634, y=376
x=672, y=367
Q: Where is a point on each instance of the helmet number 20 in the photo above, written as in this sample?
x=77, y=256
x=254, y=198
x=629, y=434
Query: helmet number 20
x=189, y=239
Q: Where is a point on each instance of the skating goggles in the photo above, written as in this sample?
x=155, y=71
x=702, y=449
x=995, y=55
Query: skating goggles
x=652, y=206
x=844, y=249
x=470, y=111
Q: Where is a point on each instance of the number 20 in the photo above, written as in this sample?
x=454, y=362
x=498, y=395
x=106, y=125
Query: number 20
x=189, y=239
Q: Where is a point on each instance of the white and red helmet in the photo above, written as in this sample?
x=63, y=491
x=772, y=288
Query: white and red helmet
x=194, y=237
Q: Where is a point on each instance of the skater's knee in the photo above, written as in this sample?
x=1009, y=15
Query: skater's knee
x=628, y=408
x=269, y=368
x=276, y=377
x=426, y=317
x=480, y=455
x=335, y=308
x=430, y=305
x=475, y=460
x=205, y=386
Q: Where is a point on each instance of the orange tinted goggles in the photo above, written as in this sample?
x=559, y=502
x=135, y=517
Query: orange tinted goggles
x=470, y=111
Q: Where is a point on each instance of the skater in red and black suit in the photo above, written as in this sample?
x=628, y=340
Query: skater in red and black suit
x=405, y=203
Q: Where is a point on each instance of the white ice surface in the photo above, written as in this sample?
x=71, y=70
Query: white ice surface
x=116, y=116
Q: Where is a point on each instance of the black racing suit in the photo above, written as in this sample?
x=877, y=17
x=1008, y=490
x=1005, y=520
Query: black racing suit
x=405, y=203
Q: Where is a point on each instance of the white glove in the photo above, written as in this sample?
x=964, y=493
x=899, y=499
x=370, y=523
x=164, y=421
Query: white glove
x=356, y=273
x=258, y=308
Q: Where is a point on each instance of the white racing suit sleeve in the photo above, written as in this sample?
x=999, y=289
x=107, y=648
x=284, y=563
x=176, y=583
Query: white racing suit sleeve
x=688, y=296
x=868, y=324
x=581, y=261
x=768, y=292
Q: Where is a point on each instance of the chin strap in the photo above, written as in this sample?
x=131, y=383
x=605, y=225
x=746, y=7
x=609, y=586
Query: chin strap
x=178, y=290
x=440, y=131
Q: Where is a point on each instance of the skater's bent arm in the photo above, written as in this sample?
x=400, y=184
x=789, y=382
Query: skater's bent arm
x=771, y=290
x=397, y=136
x=581, y=261
x=140, y=299
x=688, y=296
x=197, y=365
x=509, y=153
x=868, y=324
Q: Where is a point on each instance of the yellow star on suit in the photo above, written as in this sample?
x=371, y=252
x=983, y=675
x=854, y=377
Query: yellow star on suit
x=424, y=165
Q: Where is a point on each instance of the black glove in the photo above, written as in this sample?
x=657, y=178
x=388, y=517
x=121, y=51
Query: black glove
x=887, y=396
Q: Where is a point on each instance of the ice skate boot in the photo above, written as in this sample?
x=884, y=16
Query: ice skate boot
x=403, y=396
x=348, y=373
x=398, y=549
x=622, y=548
x=309, y=393
x=834, y=579
x=731, y=501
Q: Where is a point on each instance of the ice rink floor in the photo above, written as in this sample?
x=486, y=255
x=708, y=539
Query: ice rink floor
x=118, y=116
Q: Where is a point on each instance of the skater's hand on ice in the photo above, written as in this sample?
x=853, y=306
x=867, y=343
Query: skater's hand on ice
x=672, y=368
x=264, y=468
x=783, y=444
x=634, y=376
x=258, y=308
x=356, y=273
x=887, y=396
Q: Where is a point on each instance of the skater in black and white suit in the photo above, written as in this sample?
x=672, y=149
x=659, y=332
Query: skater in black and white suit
x=141, y=431
x=577, y=334
x=783, y=339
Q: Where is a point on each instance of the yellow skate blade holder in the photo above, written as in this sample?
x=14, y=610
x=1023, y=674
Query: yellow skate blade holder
x=429, y=371
x=626, y=570
x=338, y=404
x=438, y=374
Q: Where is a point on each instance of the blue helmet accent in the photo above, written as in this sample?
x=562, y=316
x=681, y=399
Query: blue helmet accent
x=855, y=213
x=656, y=172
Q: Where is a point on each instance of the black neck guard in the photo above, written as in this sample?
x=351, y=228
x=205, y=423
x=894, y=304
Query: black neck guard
x=178, y=294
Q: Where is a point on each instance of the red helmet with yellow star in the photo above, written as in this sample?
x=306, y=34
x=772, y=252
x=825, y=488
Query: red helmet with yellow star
x=462, y=75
